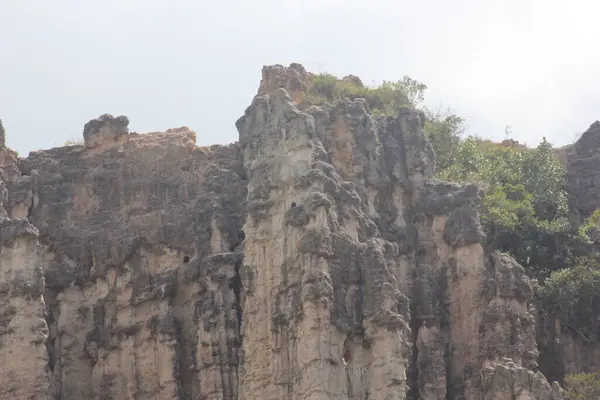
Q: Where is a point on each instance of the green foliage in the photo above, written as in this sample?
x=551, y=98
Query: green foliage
x=583, y=386
x=545, y=177
x=382, y=99
x=589, y=230
x=442, y=127
x=444, y=130
x=525, y=210
x=573, y=296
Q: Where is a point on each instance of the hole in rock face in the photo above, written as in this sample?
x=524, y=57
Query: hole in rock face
x=293, y=204
x=186, y=259
x=347, y=354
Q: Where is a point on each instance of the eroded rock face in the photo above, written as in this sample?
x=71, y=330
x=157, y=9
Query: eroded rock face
x=294, y=79
x=141, y=257
x=105, y=129
x=23, y=328
x=2, y=135
x=583, y=163
x=315, y=259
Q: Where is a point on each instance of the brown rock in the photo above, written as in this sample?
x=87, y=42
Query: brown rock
x=315, y=259
x=105, y=129
x=23, y=329
x=294, y=79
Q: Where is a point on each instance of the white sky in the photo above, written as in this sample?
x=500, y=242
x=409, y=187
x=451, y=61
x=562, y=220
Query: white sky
x=531, y=64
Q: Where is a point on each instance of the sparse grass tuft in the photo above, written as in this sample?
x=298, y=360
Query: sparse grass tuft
x=73, y=142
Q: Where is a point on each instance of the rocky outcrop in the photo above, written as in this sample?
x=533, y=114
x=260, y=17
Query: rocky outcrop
x=583, y=163
x=105, y=129
x=141, y=248
x=321, y=289
x=295, y=80
x=315, y=259
x=23, y=329
x=2, y=135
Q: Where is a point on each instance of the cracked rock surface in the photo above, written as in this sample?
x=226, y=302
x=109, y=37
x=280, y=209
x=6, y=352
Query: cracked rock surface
x=317, y=258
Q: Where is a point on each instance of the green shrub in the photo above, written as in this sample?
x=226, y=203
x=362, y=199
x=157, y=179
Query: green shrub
x=525, y=210
x=583, y=386
x=442, y=127
x=382, y=99
x=572, y=295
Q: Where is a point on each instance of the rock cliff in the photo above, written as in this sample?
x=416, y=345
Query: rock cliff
x=317, y=258
x=564, y=349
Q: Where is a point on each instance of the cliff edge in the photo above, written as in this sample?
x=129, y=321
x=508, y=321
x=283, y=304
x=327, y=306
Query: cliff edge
x=317, y=258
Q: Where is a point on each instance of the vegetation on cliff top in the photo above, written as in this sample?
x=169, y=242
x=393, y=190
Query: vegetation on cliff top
x=583, y=386
x=382, y=99
x=525, y=211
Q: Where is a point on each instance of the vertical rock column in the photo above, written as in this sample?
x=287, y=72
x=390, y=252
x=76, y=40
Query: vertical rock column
x=482, y=330
x=23, y=330
x=287, y=330
x=323, y=317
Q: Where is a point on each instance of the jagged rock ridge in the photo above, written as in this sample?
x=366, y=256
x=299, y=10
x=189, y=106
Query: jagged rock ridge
x=315, y=259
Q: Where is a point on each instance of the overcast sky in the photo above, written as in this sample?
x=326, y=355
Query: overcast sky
x=534, y=65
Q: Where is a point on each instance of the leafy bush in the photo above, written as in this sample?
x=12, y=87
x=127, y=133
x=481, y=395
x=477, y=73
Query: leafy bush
x=382, y=99
x=444, y=130
x=442, y=127
x=583, y=386
x=573, y=296
x=525, y=210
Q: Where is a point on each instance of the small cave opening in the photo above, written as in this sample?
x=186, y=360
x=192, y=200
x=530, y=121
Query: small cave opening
x=50, y=349
x=240, y=239
x=186, y=259
x=347, y=353
x=293, y=204
x=235, y=284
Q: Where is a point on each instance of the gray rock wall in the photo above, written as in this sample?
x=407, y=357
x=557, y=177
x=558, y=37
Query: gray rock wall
x=315, y=259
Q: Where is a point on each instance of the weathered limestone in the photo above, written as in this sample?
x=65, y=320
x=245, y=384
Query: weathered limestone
x=315, y=259
x=141, y=249
x=23, y=330
x=317, y=324
x=105, y=129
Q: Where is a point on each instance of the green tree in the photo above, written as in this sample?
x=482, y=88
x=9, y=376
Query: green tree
x=444, y=129
x=545, y=177
x=415, y=90
x=572, y=295
x=467, y=164
x=525, y=209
